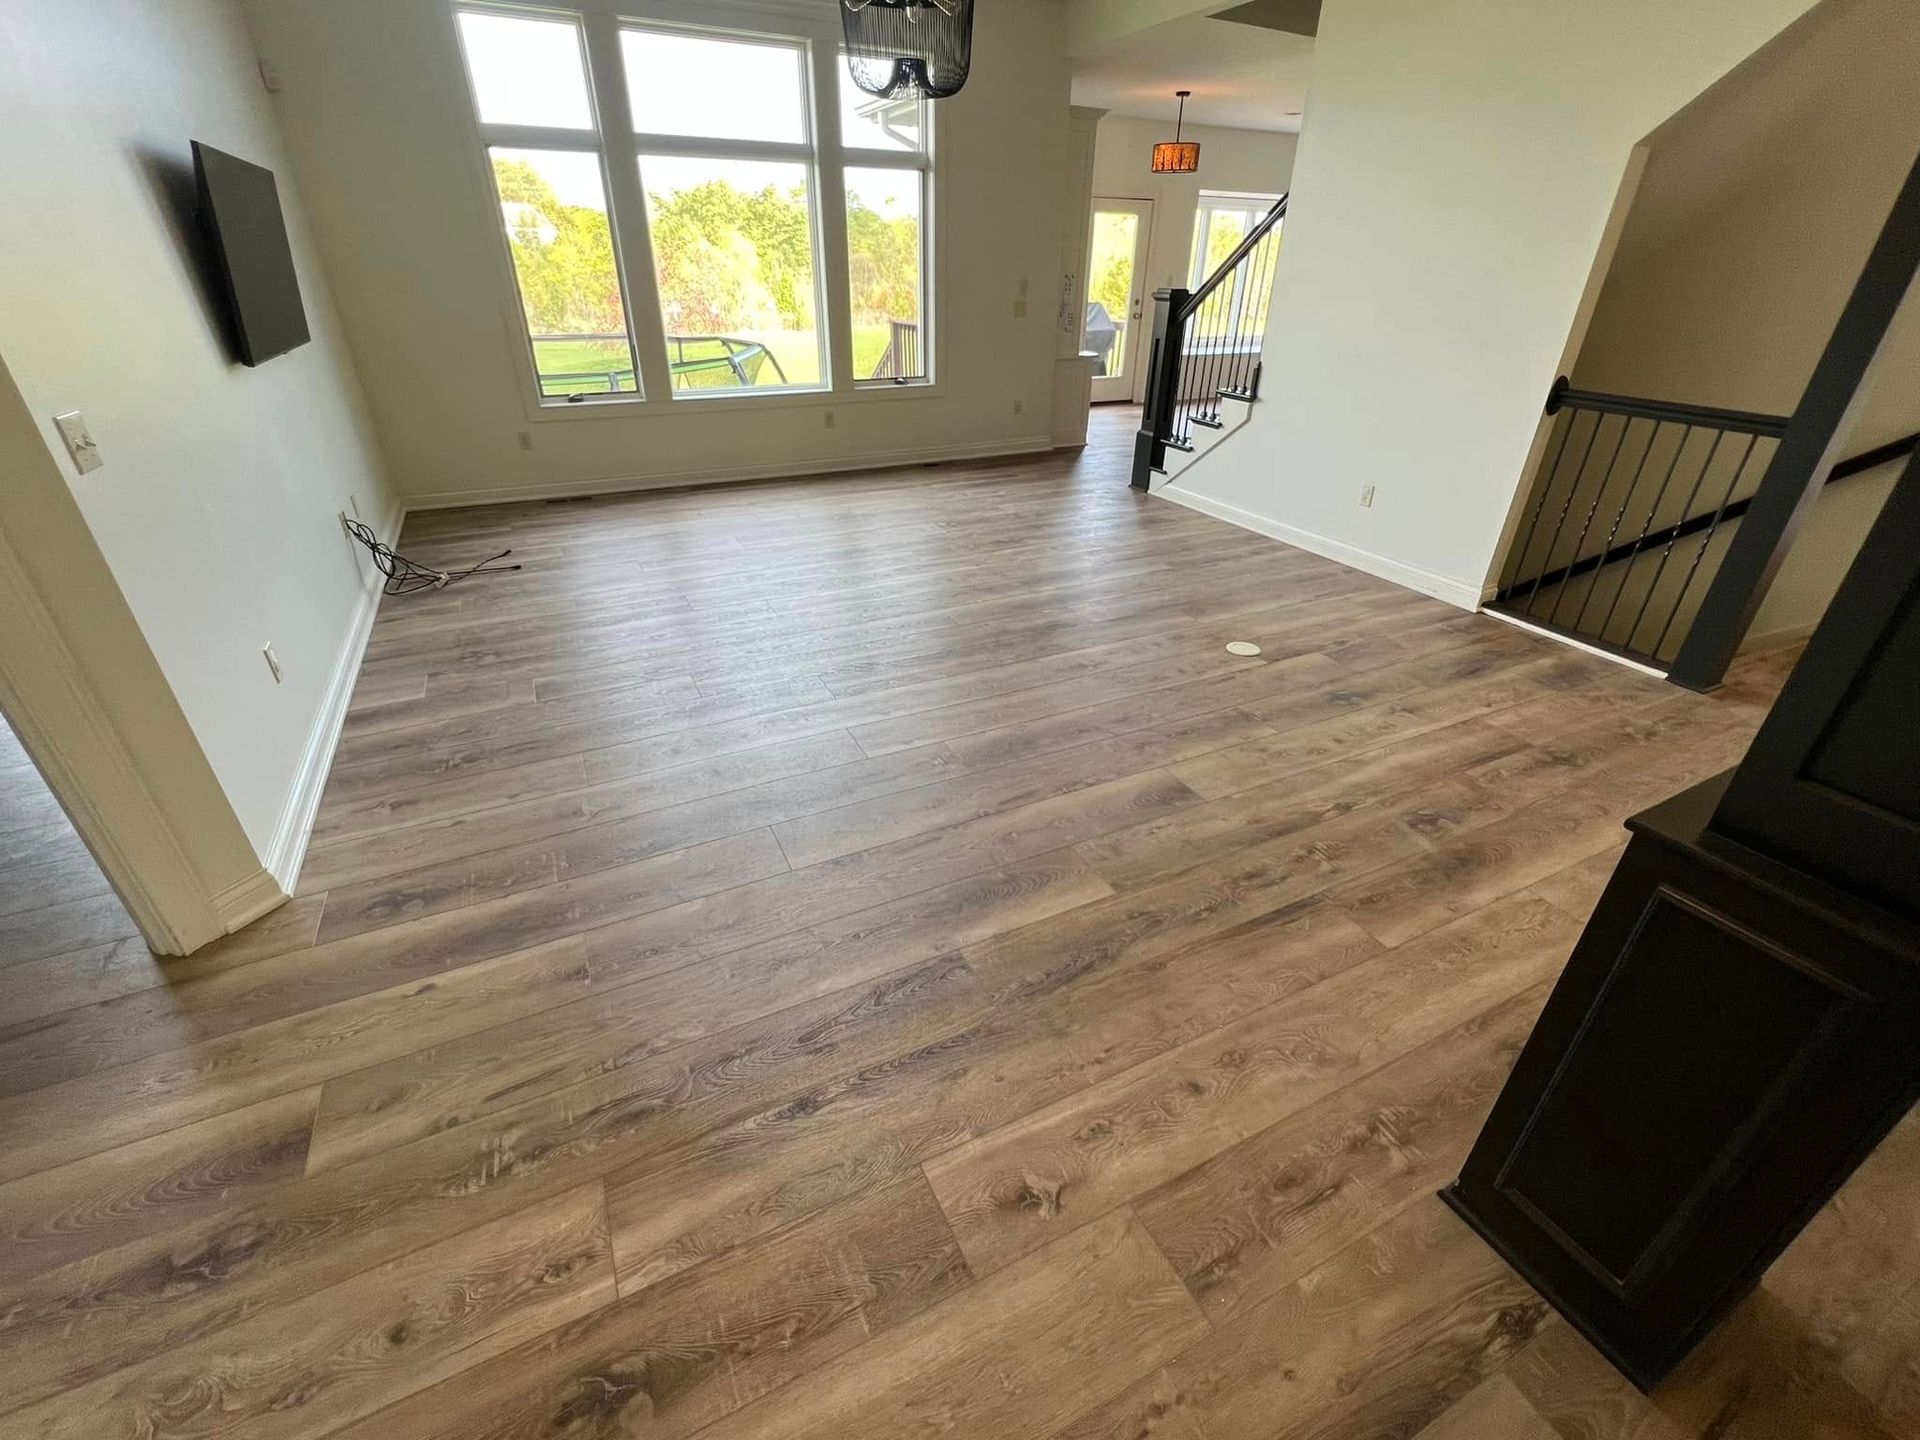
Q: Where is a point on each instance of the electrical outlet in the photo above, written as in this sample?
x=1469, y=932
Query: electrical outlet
x=526, y=439
x=830, y=421
x=273, y=661
x=73, y=429
x=1366, y=498
x=1019, y=407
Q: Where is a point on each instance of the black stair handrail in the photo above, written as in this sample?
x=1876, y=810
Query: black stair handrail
x=1747, y=422
x=1744, y=422
x=1228, y=368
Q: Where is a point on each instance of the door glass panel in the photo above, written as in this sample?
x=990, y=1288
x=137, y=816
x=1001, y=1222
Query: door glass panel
x=1116, y=235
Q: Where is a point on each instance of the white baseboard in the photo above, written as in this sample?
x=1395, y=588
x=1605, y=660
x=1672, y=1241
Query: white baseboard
x=1442, y=587
x=242, y=904
x=1778, y=639
x=287, y=851
x=727, y=474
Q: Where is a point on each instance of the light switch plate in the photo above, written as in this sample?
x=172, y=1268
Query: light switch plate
x=73, y=430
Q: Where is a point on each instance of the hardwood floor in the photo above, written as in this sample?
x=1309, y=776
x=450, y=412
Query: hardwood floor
x=858, y=958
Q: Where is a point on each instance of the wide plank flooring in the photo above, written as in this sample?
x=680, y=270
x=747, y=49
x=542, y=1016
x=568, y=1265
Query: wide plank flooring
x=857, y=957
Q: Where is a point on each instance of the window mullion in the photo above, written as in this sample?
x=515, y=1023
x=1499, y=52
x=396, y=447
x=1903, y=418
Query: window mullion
x=629, y=205
x=832, y=187
x=865, y=159
x=697, y=147
x=537, y=137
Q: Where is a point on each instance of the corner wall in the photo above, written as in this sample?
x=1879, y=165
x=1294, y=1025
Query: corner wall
x=216, y=510
x=1457, y=168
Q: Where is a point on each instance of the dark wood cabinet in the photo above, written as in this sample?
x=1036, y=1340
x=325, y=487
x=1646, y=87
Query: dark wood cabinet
x=1739, y=1024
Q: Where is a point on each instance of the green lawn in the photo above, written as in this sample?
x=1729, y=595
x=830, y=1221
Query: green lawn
x=609, y=363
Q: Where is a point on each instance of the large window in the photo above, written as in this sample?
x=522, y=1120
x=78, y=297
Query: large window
x=727, y=161
x=682, y=169
x=1220, y=223
x=886, y=183
x=531, y=93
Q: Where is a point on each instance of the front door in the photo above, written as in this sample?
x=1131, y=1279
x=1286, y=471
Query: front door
x=1116, y=294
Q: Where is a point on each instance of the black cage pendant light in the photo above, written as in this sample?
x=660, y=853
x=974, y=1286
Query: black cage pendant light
x=909, y=47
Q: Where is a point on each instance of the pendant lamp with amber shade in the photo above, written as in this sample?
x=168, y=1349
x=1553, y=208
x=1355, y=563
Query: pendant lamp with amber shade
x=1177, y=156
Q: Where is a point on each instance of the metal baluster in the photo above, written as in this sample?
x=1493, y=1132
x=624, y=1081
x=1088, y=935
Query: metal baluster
x=1646, y=526
x=1223, y=360
x=1705, y=540
x=1539, y=505
x=1673, y=539
x=1626, y=500
x=1210, y=367
x=1599, y=494
x=1235, y=380
x=1572, y=487
x=1195, y=328
x=1262, y=303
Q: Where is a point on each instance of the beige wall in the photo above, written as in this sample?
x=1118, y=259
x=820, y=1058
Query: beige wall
x=374, y=105
x=216, y=510
x=1756, y=211
x=1456, y=173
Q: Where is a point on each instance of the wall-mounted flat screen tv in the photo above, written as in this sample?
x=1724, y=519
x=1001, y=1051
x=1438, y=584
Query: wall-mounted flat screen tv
x=240, y=210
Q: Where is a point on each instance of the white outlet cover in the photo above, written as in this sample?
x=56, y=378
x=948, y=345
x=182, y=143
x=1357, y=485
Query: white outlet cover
x=73, y=429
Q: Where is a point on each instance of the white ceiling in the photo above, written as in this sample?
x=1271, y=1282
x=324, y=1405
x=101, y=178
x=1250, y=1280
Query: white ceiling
x=1242, y=75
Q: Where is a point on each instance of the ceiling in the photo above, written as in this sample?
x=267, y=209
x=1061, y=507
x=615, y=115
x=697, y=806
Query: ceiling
x=1240, y=74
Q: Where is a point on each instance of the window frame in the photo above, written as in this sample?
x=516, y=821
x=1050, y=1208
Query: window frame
x=496, y=135
x=805, y=153
x=862, y=157
x=600, y=25
x=1207, y=203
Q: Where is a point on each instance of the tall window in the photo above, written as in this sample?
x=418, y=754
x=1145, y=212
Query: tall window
x=888, y=166
x=1219, y=225
x=725, y=135
x=530, y=90
x=682, y=167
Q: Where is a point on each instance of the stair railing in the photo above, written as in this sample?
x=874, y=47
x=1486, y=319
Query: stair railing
x=1206, y=347
x=1627, y=525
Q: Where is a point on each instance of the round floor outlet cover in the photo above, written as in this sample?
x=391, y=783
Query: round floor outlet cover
x=1242, y=647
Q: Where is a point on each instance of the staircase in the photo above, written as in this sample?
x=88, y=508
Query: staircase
x=1204, y=369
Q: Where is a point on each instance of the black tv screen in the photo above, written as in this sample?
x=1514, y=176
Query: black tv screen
x=240, y=208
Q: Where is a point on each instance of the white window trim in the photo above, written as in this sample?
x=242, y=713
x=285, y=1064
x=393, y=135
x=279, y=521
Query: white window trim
x=792, y=23
x=1209, y=201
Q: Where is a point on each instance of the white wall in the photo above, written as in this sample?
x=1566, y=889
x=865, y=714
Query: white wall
x=376, y=114
x=1257, y=162
x=216, y=509
x=1456, y=171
